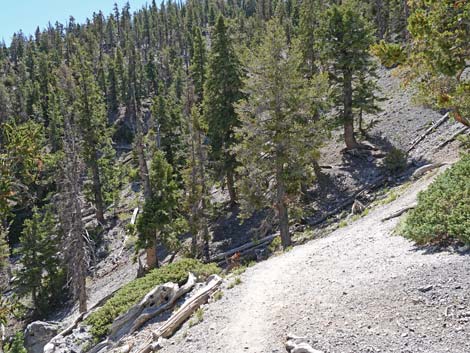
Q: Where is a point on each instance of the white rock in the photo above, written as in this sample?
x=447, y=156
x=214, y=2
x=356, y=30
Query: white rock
x=305, y=348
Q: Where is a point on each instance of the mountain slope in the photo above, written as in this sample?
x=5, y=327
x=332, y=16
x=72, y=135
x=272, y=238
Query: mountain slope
x=361, y=289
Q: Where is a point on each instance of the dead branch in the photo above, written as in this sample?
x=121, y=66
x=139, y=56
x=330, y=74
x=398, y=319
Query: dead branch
x=452, y=138
x=243, y=247
x=427, y=132
x=399, y=213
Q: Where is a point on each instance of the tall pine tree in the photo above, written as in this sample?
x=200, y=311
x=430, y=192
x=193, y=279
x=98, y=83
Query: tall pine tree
x=221, y=91
x=281, y=129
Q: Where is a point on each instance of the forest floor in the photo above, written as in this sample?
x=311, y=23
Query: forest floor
x=361, y=289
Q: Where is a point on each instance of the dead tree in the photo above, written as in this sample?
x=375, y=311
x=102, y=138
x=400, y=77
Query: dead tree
x=70, y=215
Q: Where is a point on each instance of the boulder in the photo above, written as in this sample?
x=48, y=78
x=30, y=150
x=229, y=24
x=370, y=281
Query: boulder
x=37, y=334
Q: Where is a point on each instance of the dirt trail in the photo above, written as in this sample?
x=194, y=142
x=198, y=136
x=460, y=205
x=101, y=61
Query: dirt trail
x=361, y=289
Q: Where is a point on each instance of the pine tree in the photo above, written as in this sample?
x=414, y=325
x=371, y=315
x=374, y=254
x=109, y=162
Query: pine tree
x=309, y=19
x=93, y=127
x=281, y=130
x=440, y=34
x=196, y=183
x=221, y=91
x=198, y=62
x=343, y=39
x=365, y=98
x=41, y=274
x=160, y=221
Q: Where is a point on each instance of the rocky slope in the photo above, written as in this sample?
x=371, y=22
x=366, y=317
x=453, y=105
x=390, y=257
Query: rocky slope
x=361, y=289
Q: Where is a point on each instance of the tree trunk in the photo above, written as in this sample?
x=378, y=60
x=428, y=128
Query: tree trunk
x=284, y=224
x=97, y=189
x=231, y=187
x=143, y=169
x=282, y=208
x=82, y=305
x=406, y=9
x=152, y=259
x=348, y=118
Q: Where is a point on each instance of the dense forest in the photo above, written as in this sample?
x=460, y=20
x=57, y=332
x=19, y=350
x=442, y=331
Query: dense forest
x=230, y=95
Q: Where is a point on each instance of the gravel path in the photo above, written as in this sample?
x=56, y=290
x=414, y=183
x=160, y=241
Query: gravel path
x=361, y=289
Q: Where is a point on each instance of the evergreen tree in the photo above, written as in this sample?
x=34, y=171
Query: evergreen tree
x=41, y=274
x=440, y=34
x=198, y=62
x=93, y=127
x=344, y=38
x=160, y=221
x=281, y=130
x=222, y=89
x=197, y=188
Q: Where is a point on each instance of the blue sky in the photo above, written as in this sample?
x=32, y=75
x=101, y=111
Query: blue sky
x=28, y=14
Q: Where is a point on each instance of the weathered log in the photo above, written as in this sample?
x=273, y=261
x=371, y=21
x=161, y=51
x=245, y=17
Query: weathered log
x=399, y=212
x=149, y=314
x=418, y=173
x=243, y=247
x=134, y=215
x=186, y=310
x=427, y=132
x=159, y=299
x=376, y=183
x=183, y=313
x=452, y=138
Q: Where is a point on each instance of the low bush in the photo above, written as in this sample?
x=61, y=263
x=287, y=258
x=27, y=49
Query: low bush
x=395, y=161
x=130, y=294
x=389, y=54
x=443, y=211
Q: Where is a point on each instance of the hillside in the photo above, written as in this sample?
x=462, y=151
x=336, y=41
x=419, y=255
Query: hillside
x=231, y=176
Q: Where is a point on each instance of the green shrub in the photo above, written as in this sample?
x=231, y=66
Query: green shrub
x=16, y=345
x=275, y=244
x=389, y=54
x=101, y=320
x=395, y=161
x=443, y=211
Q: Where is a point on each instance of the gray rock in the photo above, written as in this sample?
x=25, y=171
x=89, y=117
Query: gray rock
x=37, y=334
x=305, y=348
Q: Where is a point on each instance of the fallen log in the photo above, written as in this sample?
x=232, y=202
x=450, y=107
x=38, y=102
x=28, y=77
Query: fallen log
x=418, y=173
x=399, y=213
x=158, y=300
x=452, y=138
x=243, y=247
x=427, y=132
x=349, y=201
x=146, y=316
x=183, y=313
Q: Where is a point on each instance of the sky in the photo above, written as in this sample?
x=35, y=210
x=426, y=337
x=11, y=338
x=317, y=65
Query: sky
x=28, y=14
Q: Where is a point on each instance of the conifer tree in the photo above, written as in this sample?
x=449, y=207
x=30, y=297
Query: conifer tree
x=440, y=32
x=344, y=38
x=281, y=130
x=196, y=182
x=222, y=89
x=160, y=221
x=198, y=62
x=41, y=274
x=93, y=127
